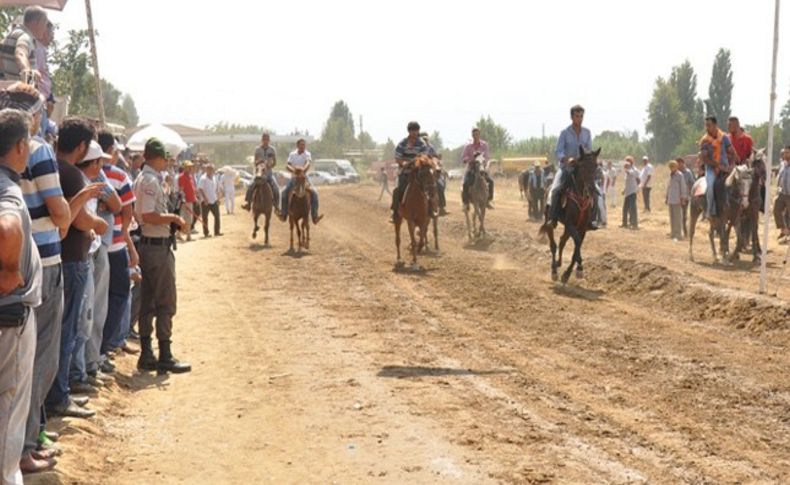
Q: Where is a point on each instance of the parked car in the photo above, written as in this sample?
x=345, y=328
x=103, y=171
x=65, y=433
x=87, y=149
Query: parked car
x=319, y=177
x=455, y=174
x=342, y=169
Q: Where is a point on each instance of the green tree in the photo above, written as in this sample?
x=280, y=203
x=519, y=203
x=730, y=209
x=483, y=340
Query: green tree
x=496, y=135
x=388, y=150
x=338, y=134
x=365, y=140
x=437, y=141
x=784, y=117
x=7, y=16
x=759, y=135
x=684, y=80
x=666, y=120
x=619, y=144
x=129, y=108
x=720, y=91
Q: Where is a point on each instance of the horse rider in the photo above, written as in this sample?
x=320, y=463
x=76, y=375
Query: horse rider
x=441, y=182
x=468, y=156
x=264, y=155
x=571, y=139
x=716, y=151
x=405, y=153
x=300, y=159
x=742, y=142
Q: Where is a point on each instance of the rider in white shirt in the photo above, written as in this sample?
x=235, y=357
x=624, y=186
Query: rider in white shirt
x=300, y=158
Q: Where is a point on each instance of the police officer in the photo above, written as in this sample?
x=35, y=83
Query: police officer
x=157, y=262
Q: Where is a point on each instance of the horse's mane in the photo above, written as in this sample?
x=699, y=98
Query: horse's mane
x=424, y=160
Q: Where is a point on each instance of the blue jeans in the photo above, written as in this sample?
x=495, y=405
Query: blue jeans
x=75, y=277
x=118, y=305
x=287, y=195
x=78, y=370
x=710, y=178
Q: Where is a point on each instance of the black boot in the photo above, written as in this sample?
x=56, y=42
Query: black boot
x=168, y=363
x=147, y=360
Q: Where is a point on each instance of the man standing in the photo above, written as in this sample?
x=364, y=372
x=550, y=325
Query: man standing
x=677, y=196
x=121, y=254
x=716, y=151
x=186, y=184
x=266, y=155
x=571, y=140
x=227, y=180
x=610, y=188
x=20, y=292
x=741, y=141
x=646, y=178
x=467, y=157
x=157, y=263
x=50, y=214
x=75, y=137
x=384, y=180
x=782, y=202
x=536, y=191
x=209, y=200
x=629, y=194
x=18, y=50
x=689, y=179
x=300, y=158
x=405, y=153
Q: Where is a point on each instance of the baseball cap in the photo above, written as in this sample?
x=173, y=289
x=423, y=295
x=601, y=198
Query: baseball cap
x=94, y=153
x=154, y=149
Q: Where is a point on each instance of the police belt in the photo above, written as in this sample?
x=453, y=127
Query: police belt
x=155, y=241
x=14, y=315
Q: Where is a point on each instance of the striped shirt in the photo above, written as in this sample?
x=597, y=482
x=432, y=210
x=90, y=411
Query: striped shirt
x=123, y=186
x=20, y=37
x=39, y=181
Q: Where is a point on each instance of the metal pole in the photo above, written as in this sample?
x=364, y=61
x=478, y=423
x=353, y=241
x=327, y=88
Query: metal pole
x=769, y=168
x=95, y=57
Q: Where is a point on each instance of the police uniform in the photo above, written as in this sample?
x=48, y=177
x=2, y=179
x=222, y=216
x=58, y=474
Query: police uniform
x=158, y=268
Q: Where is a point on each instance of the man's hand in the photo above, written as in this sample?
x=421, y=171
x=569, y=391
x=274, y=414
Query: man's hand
x=178, y=221
x=92, y=191
x=10, y=281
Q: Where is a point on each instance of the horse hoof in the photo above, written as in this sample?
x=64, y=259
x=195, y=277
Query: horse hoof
x=554, y=276
x=565, y=279
x=580, y=275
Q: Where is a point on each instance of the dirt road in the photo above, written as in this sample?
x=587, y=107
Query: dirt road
x=333, y=368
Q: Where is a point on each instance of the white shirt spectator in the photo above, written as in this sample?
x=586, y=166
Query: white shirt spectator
x=299, y=160
x=208, y=185
x=631, y=181
x=646, y=176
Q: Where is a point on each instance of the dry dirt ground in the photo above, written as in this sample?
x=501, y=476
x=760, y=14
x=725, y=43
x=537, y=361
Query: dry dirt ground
x=333, y=368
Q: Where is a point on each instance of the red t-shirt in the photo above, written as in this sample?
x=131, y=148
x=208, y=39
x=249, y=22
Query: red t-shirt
x=187, y=185
x=742, y=144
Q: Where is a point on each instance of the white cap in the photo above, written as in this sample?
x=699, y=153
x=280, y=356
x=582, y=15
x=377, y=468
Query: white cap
x=95, y=152
x=645, y=158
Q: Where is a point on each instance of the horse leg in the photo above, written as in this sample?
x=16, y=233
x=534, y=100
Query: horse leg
x=468, y=223
x=711, y=232
x=578, y=254
x=436, y=233
x=255, y=228
x=412, y=228
x=757, y=251
x=291, y=223
x=576, y=251
x=553, y=247
x=306, y=231
x=692, y=222
x=266, y=229
x=483, y=220
x=398, y=222
x=563, y=241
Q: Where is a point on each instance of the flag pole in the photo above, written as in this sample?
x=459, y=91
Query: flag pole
x=770, y=149
x=95, y=58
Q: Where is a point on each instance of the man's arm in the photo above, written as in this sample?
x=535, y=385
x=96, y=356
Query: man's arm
x=59, y=211
x=158, y=219
x=77, y=203
x=21, y=55
x=11, y=241
x=559, y=152
x=85, y=221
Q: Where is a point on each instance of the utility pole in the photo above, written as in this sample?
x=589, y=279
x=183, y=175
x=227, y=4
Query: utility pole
x=361, y=142
x=95, y=58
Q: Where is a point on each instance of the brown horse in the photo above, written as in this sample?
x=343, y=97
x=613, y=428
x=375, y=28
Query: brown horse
x=415, y=207
x=576, y=215
x=299, y=210
x=478, y=198
x=261, y=202
x=729, y=197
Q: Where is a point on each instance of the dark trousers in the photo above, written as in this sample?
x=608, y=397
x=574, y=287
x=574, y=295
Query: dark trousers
x=646, y=198
x=629, y=211
x=118, y=300
x=196, y=210
x=214, y=210
x=157, y=291
x=397, y=194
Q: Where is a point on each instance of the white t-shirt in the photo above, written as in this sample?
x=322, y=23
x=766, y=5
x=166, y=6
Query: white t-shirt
x=298, y=160
x=647, y=170
x=229, y=176
x=209, y=187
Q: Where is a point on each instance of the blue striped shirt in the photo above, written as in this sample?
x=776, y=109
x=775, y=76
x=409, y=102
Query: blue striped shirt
x=39, y=181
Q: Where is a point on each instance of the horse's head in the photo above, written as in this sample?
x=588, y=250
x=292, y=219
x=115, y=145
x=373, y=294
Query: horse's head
x=424, y=172
x=300, y=181
x=740, y=179
x=587, y=165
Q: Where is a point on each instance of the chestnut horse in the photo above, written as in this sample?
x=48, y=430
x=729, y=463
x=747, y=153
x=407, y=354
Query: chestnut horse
x=262, y=203
x=416, y=205
x=299, y=210
x=576, y=215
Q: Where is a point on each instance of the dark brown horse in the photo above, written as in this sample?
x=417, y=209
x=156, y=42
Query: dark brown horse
x=731, y=195
x=415, y=207
x=750, y=217
x=261, y=203
x=576, y=216
x=299, y=210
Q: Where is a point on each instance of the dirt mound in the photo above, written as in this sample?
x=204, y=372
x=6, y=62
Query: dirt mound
x=691, y=297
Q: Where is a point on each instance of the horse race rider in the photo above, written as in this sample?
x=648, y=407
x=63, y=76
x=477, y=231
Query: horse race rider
x=467, y=157
x=571, y=138
x=300, y=159
x=441, y=181
x=405, y=153
x=265, y=154
x=717, y=151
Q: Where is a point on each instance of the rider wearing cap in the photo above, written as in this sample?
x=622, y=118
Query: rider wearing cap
x=407, y=150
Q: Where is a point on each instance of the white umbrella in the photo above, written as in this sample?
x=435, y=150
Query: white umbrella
x=53, y=4
x=172, y=140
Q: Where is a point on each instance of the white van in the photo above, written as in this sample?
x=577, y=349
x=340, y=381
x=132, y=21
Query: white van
x=342, y=169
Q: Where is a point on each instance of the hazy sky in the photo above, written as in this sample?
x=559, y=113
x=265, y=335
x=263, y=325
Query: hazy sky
x=283, y=64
